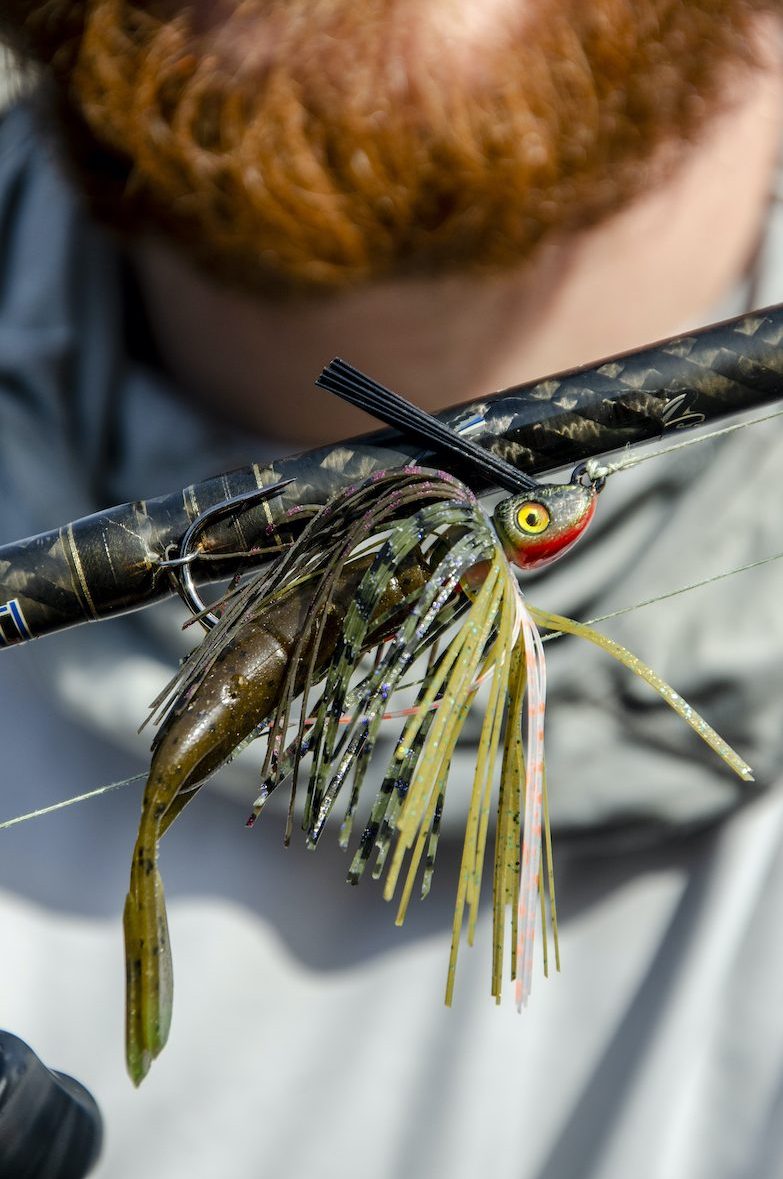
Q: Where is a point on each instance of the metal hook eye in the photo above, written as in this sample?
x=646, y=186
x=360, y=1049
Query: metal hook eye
x=188, y=552
x=582, y=476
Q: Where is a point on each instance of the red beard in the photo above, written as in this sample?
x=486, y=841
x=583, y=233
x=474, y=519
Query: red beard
x=309, y=145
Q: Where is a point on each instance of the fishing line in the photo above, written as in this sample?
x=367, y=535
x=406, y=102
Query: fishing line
x=58, y=806
x=684, y=589
x=598, y=470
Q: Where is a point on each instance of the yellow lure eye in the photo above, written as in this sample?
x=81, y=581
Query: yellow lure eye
x=532, y=517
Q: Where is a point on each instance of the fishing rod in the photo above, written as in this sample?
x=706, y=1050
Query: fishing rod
x=129, y=556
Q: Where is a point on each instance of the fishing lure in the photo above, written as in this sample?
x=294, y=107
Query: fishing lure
x=396, y=564
x=112, y=561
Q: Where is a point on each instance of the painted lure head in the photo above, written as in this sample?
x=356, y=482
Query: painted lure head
x=538, y=523
x=537, y=527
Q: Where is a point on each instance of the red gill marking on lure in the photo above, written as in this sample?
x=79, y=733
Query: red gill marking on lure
x=537, y=553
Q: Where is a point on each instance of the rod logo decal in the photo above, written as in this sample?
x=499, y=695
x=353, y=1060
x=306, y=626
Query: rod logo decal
x=13, y=627
x=678, y=414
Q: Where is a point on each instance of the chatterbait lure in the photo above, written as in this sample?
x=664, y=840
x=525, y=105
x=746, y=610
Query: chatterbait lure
x=398, y=563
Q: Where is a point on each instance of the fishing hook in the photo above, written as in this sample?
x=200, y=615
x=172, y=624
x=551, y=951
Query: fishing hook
x=180, y=566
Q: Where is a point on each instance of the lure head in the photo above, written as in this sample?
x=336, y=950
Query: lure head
x=539, y=526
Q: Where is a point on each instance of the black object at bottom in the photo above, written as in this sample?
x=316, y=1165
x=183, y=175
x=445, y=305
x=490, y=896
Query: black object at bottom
x=50, y=1125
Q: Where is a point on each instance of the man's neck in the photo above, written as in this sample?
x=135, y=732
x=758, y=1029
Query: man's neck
x=659, y=265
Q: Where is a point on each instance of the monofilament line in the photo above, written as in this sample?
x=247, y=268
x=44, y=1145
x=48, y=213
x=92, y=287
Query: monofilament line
x=59, y=806
x=599, y=470
x=684, y=589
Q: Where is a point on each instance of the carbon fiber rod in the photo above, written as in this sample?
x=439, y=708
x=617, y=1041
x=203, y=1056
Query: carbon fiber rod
x=109, y=563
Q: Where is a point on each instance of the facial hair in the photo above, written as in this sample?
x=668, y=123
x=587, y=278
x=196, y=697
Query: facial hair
x=307, y=146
